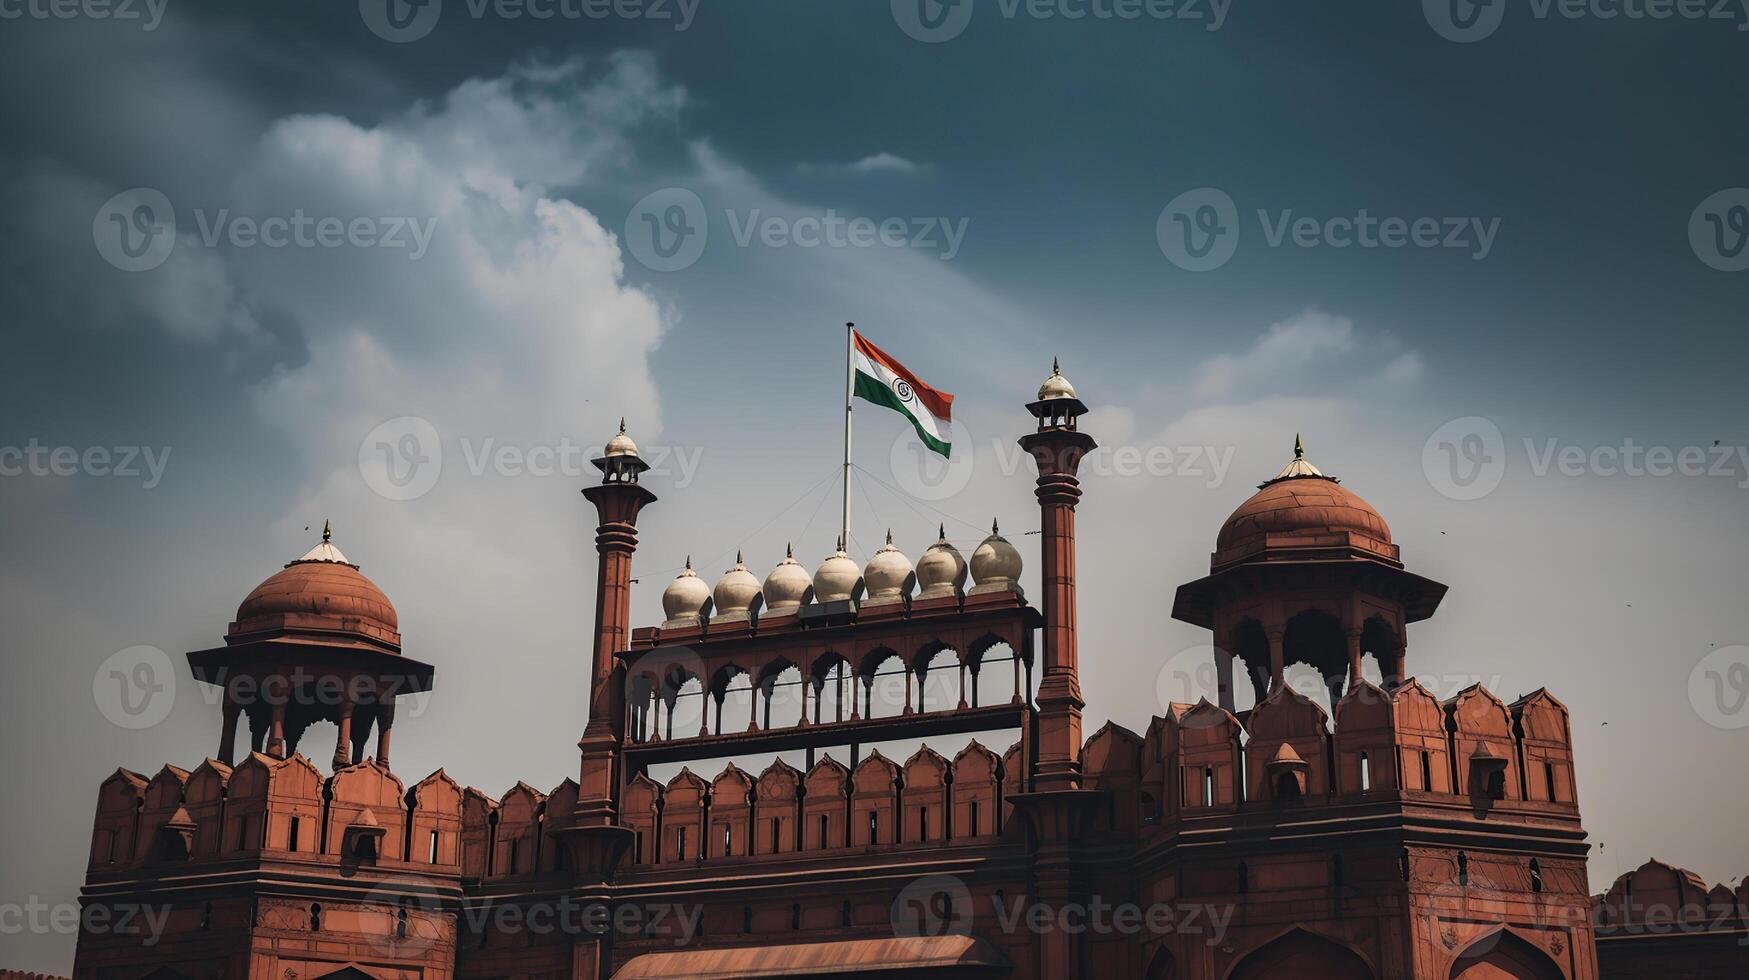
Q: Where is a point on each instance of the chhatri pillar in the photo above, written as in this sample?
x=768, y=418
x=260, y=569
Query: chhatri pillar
x=1057, y=447
x=617, y=498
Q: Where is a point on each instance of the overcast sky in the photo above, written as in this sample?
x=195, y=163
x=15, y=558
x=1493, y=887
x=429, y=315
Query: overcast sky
x=1514, y=323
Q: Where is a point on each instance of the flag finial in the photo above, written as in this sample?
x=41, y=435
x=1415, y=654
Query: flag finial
x=327, y=530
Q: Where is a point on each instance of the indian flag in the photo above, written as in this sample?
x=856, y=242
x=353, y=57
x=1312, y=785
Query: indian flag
x=884, y=381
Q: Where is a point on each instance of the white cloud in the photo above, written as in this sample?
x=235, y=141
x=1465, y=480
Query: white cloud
x=877, y=163
x=1301, y=355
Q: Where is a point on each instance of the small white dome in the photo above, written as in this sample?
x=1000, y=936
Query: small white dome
x=736, y=590
x=887, y=572
x=837, y=578
x=621, y=444
x=1055, y=386
x=685, y=596
x=996, y=563
x=787, y=586
x=942, y=569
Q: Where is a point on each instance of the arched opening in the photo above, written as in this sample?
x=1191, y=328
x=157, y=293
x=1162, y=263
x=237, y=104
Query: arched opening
x=1503, y=956
x=686, y=713
x=1315, y=638
x=1250, y=647
x=834, y=689
x=1303, y=956
x=782, y=696
x=734, y=708
x=995, y=674
x=1162, y=966
x=938, y=679
x=886, y=685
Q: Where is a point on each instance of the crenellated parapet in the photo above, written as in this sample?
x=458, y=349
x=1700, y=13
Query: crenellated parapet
x=734, y=817
x=269, y=809
x=1658, y=915
x=1397, y=744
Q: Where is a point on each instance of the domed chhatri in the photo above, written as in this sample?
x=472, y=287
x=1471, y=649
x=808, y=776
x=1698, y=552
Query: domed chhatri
x=887, y=575
x=1056, y=386
x=1302, y=508
x=684, y=599
x=942, y=569
x=621, y=444
x=321, y=592
x=786, y=588
x=735, y=592
x=837, y=579
x=996, y=564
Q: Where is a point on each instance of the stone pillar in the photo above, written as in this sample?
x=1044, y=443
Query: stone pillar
x=1224, y=679
x=385, y=722
x=228, y=733
x=1277, y=662
x=1355, y=675
x=617, y=503
x=276, y=731
x=343, y=741
x=1058, y=451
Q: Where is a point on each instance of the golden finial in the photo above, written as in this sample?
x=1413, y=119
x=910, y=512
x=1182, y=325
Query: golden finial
x=622, y=425
x=1299, y=447
x=889, y=535
x=995, y=528
x=941, y=531
x=327, y=530
x=1055, y=371
x=789, y=550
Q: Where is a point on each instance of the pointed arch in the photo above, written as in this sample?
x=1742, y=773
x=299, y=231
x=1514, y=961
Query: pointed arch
x=1503, y=954
x=1302, y=954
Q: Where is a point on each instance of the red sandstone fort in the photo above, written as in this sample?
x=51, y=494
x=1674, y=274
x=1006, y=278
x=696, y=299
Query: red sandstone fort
x=1397, y=836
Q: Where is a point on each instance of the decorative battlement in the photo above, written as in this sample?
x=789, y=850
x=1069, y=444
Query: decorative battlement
x=269, y=809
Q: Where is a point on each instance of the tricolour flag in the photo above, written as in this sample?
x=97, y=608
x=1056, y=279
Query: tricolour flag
x=884, y=381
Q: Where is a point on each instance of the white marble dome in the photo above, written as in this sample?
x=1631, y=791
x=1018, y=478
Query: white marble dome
x=887, y=572
x=837, y=578
x=621, y=444
x=684, y=598
x=786, y=588
x=1055, y=386
x=942, y=569
x=735, y=591
x=996, y=563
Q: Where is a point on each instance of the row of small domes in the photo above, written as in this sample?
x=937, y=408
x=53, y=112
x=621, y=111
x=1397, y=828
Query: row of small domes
x=941, y=571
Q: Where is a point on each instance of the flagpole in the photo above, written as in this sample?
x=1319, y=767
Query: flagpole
x=849, y=393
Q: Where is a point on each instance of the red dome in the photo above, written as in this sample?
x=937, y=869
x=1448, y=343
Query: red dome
x=322, y=595
x=1302, y=507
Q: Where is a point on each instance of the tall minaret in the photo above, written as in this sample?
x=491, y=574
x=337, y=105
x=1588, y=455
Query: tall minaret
x=617, y=498
x=1058, y=447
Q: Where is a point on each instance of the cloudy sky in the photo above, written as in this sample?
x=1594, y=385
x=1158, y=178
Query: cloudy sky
x=403, y=268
